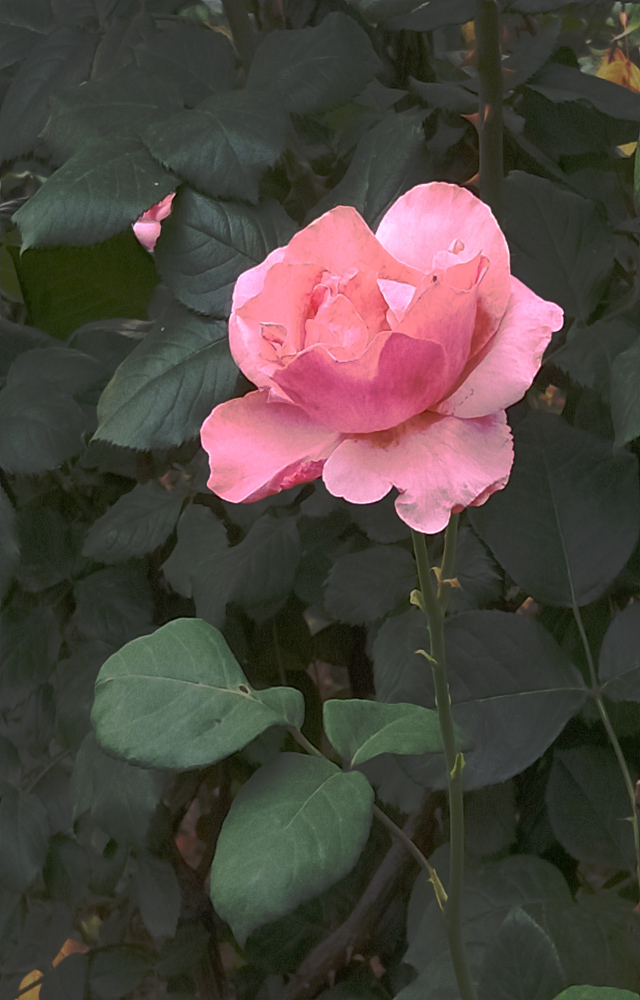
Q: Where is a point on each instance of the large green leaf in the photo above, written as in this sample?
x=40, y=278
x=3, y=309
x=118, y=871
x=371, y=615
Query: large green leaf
x=23, y=25
x=374, y=180
x=364, y=586
x=120, y=798
x=123, y=101
x=619, y=663
x=40, y=427
x=163, y=391
x=316, y=68
x=117, y=971
x=512, y=688
x=588, y=807
x=625, y=399
x=567, y=521
x=434, y=14
x=159, y=895
x=297, y=826
x=49, y=544
x=224, y=146
x=9, y=543
x=205, y=246
x=360, y=730
x=67, y=369
x=114, y=604
x=588, y=354
x=67, y=981
x=99, y=192
x=178, y=699
x=58, y=60
x=490, y=893
x=65, y=287
x=561, y=247
x=137, y=523
x=596, y=993
x=24, y=837
x=567, y=83
x=521, y=962
x=198, y=61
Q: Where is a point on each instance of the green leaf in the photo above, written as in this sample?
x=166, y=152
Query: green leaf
x=163, y=391
x=596, y=993
x=364, y=586
x=65, y=287
x=63, y=367
x=490, y=819
x=224, y=146
x=66, y=869
x=619, y=663
x=625, y=400
x=68, y=981
x=123, y=101
x=434, y=14
x=202, y=541
x=114, y=604
x=24, y=837
x=297, y=826
x=360, y=730
x=566, y=83
x=120, y=798
x=40, y=427
x=9, y=543
x=205, y=246
x=158, y=895
x=137, y=523
x=182, y=952
x=49, y=546
x=23, y=25
x=588, y=355
x=566, y=523
x=30, y=645
x=99, y=192
x=490, y=893
x=512, y=688
x=178, y=699
x=561, y=246
x=477, y=573
x=521, y=963
x=59, y=60
x=116, y=971
x=316, y=68
x=588, y=807
x=379, y=521
x=198, y=61
x=373, y=181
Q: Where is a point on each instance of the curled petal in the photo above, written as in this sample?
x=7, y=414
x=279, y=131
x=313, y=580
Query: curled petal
x=147, y=227
x=439, y=216
x=396, y=378
x=257, y=448
x=503, y=376
x=438, y=464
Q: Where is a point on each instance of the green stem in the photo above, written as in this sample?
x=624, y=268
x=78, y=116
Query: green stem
x=435, y=615
x=487, y=28
x=244, y=39
x=448, y=560
x=611, y=733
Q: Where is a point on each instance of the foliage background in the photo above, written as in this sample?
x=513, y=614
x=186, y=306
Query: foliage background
x=110, y=358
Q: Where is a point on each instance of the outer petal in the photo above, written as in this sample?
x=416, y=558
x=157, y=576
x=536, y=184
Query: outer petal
x=437, y=464
x=257, y=448
x=439, y=216
x=396, y=378
x=509, y=367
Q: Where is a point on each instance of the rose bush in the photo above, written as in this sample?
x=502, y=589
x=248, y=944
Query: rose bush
x=381, y=360
x=147, y=227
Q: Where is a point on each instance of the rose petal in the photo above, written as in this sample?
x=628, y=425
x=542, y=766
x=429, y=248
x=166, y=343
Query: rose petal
x=395, y=378
x=257, y=448
x=437, y=464
x=439, y=216
x=503, y=376
x=278, y=290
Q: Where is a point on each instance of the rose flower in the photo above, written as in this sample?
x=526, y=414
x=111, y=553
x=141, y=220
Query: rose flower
x=381, y=360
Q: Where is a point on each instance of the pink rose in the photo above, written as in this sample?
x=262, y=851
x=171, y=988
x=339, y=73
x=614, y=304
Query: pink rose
x=147, y=227
x=382, y=361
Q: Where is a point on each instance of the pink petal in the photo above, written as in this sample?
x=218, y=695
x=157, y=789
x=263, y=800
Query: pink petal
x=440, y=216
x=279, y=289
x=437, y=464
x=503, y=376
x=147, y=227
x=257, y=448
x=396, y=378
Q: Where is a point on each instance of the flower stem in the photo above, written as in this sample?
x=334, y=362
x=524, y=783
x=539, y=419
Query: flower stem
x=487, y=29
x=435, y=614
x=611, y=733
